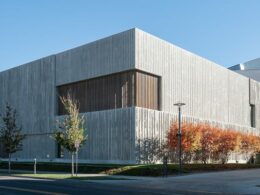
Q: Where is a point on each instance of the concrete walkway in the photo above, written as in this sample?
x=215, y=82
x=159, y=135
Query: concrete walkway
x=224, y=182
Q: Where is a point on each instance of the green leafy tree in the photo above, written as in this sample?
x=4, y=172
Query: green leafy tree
x=10, y=134
x=71, y=132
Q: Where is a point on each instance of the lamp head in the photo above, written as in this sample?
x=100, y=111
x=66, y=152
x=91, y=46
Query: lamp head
x=179, y=104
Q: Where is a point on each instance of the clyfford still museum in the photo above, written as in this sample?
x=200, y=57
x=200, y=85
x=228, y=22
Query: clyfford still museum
x=126, y=85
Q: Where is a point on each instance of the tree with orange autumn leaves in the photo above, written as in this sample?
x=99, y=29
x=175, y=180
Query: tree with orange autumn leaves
x=202, y=142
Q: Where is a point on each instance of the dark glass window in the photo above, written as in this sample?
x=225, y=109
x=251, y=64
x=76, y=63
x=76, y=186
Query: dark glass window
x=126, y=89
x=252, y=115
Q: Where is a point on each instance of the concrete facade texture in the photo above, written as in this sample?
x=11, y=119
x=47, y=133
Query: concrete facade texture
x=212, y=93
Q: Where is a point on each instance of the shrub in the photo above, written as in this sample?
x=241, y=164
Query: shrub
x=150, y=150
x=204, y=143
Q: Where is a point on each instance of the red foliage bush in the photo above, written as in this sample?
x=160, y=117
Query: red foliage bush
x=202, y=142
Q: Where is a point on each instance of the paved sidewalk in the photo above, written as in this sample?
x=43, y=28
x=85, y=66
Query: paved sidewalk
x=224, y=182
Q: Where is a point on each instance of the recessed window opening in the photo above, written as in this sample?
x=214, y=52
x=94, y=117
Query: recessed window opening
x=252, y=115
x=120, y=90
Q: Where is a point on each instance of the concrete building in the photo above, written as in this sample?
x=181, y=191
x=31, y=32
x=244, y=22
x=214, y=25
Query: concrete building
x=126, y=85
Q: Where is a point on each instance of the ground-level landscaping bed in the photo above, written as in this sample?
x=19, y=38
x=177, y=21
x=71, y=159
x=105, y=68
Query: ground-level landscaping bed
x=130, y=170
x=158, y=170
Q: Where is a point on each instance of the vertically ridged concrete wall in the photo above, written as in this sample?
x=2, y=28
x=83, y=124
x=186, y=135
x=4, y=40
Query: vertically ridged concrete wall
x=30, y=89
x=109, y=55
x=110, y=136
x=155, y=124
x=210, y=91
x=255, y=100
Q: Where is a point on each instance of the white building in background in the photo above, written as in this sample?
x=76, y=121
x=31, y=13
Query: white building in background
x=249, y=69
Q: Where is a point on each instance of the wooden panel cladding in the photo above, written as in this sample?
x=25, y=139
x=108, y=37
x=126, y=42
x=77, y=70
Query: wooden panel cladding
x=119, y=90
x=147, y=91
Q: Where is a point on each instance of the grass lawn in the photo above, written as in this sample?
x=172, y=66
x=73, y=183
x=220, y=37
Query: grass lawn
x=57, y=176
x=60, y=167
x=65, y=176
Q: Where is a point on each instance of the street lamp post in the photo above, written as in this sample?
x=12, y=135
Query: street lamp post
x=179, y=104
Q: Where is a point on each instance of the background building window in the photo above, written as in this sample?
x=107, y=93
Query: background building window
x=120, y=90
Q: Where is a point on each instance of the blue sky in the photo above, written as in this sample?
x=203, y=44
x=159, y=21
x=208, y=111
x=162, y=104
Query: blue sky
x=224, y=31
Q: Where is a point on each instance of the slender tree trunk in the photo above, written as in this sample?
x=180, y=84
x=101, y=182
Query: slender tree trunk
x=77, y=163
x=72, y=163
x=9, y=163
